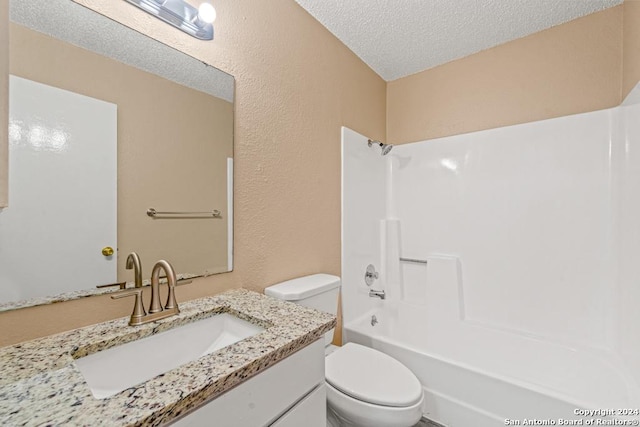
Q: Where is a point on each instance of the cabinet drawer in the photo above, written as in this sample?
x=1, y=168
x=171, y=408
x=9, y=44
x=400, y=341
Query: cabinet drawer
x=263, y=398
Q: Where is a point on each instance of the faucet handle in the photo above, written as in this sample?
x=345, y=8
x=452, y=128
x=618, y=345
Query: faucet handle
x=371, y=275
x=138, y=309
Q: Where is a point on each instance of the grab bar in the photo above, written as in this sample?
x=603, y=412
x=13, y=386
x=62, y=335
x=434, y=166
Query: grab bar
x=419, y=261
x=151, y=212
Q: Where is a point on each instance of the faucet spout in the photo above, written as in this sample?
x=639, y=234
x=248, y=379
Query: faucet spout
x=156, y=311
x=155, y=285
x=133, y=262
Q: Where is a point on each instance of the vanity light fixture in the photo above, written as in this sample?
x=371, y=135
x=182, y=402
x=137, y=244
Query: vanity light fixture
x=196, y=22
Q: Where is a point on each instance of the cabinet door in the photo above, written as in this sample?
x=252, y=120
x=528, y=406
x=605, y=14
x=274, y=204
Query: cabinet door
x=309, y=412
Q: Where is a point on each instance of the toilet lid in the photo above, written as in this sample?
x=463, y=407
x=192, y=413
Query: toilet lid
x=372, y=376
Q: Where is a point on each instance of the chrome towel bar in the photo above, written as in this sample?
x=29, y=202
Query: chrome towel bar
x=151, y=212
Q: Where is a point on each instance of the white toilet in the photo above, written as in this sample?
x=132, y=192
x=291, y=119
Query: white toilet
x=365, y=387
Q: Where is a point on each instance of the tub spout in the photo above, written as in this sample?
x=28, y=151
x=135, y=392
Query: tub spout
x=379, y=294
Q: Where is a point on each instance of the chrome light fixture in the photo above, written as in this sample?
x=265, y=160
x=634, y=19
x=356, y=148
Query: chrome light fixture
x=180, y=14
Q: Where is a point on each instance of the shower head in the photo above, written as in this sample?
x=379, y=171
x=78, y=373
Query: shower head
x=385, y=147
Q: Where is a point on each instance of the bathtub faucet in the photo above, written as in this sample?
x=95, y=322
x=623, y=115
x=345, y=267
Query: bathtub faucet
x=380, y=294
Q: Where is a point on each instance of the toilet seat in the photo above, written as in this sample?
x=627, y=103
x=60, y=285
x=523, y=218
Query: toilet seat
x=371, y=376
x=352, y=411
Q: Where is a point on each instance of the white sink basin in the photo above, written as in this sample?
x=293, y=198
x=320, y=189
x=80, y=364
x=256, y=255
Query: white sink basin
x=111, y=371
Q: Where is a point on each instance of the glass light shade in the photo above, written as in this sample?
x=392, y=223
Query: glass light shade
x=206, y=13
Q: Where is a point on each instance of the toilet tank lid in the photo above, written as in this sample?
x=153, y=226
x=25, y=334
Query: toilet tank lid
x=303, y=287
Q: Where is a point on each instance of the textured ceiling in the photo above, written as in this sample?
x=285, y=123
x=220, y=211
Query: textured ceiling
x=399, y=38
x=75, y=24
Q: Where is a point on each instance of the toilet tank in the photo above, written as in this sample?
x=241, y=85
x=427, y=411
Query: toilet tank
x=319, y=291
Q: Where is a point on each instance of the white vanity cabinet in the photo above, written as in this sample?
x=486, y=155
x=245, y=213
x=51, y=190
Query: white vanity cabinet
x=290, y=393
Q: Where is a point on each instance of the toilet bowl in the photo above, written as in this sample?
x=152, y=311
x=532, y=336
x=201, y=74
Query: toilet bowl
x=365, y=387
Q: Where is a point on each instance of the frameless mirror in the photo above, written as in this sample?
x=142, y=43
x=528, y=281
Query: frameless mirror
x=117, y=143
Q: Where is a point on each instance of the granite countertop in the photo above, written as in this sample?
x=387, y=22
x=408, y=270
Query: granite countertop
x=40, y=384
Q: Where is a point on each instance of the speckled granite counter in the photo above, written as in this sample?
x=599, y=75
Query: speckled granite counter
x=40, y=384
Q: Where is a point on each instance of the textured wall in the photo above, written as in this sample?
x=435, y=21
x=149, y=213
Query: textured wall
x=296, y=85
x=572, y=68
x=631, y=46
x=4, y=99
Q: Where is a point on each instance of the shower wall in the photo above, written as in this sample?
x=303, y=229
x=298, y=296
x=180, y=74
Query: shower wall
x=627, y=232
x=526, y=209
x=363, y=205
x=532, y=232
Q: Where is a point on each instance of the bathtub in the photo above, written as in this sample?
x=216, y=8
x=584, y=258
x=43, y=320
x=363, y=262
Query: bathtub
x=475, y=376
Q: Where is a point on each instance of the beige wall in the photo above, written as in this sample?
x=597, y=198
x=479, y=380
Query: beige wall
x=295, y=86
x=4, y=100
x=163, y=160
x=631, y=46
x=568, y=69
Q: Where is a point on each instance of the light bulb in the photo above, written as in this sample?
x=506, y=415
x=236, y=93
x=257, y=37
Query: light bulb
x=206, y=13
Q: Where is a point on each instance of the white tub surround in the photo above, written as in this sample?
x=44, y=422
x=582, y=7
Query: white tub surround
x=527, y=304
x=41, y=385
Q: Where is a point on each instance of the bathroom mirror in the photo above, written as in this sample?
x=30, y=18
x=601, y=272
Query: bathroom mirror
x=172, y=125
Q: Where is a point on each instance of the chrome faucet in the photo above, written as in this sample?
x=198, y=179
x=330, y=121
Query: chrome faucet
x=379, y=294
x=133, y=261
x=370, y=276
x=156, y=311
